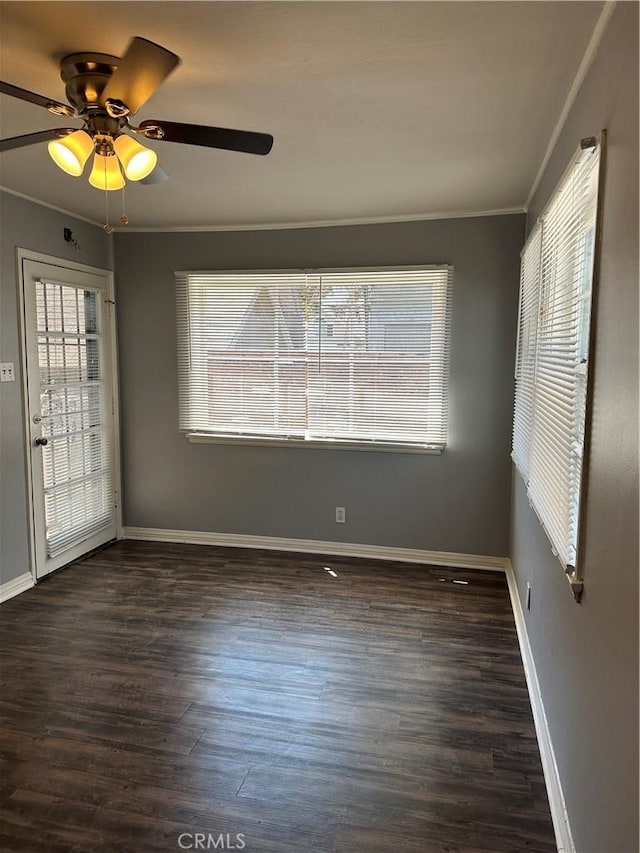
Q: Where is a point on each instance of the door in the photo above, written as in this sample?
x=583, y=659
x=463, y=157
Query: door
x=71, y=411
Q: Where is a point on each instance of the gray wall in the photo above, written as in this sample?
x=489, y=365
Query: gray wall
x=28, y=226
x=587, y=656
x=458, y=501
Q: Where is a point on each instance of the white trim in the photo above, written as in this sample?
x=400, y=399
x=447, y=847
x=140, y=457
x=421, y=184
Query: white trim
x=587, y=59
x=270, y=271
x=328, y=223
x=51, y=206
x=14, y=587
x=39, y=257
x=301, y=443
x=115, y=401
x=23, y=255
x=559, y=816
x=280, y=226
x=315, y=546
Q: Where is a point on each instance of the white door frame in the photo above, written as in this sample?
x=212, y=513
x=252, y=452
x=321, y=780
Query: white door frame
x=23, y=255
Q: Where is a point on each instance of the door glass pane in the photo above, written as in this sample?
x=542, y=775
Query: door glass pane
x=77, y=458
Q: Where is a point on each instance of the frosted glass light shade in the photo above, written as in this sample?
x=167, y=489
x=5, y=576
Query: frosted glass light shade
x=71, y=152
x=137, y=161
x=106, y=174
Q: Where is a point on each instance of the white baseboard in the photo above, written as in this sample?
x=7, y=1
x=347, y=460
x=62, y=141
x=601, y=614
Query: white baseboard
x=316, y=546
x=16, y=586
x=559, y=816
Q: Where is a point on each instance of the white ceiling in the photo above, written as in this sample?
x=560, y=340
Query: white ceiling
x=378, y=109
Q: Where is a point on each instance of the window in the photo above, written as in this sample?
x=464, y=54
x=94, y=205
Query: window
x=552, y=355
x=356, y=357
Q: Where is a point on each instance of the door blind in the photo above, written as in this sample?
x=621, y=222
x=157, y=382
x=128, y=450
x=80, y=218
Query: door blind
x=549, y=422
x=336, y=355
x=74, y=413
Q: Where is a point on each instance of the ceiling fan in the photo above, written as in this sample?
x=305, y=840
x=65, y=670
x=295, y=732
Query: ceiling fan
x=105, y=92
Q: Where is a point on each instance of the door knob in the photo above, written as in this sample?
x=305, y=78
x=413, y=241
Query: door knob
x=42, y=442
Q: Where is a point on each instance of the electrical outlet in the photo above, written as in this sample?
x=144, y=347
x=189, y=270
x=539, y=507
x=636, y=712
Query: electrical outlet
x=341, y=515
x=7, y=372
x=528, y=596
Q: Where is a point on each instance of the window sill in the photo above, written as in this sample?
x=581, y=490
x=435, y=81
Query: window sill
x=255, y=441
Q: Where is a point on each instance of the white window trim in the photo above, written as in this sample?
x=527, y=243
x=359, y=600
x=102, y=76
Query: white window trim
x=314, y=444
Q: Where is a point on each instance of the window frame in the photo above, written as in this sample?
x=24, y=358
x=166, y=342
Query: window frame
x=203, y=437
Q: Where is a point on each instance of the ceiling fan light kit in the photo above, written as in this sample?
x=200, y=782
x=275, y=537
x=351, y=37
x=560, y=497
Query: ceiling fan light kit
x=106, y=174
x=137, y=161
x=105, y=92
x=71, y=152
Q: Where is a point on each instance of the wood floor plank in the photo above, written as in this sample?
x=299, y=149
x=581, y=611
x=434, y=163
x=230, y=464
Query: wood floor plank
x=154, y=689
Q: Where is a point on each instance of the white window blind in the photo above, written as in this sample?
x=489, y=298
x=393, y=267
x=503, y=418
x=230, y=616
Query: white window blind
x=77, y=459
x=354, y=356
x=526, y=350
x=553, y=353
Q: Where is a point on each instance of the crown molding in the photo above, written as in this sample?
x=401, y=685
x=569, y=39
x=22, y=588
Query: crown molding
x=279, y=226
x=589, y=55
x=324, y=223
x=50, y=206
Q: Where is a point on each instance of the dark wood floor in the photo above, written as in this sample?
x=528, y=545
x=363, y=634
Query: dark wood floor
x=154, y=690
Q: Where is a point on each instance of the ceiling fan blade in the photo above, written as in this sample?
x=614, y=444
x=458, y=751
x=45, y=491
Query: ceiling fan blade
x=32, y=138
x=211, y=137
x=140, y=71
x=156, y=177
x=48, y=103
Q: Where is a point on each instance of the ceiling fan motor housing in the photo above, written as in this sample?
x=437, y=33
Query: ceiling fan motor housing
x=85, y=76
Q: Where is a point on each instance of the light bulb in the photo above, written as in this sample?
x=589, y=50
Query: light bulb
x=71, y=152
x=106, y=174
x=137, y=161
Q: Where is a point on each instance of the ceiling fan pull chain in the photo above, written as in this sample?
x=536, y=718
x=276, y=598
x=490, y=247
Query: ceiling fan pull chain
x=124, y=219
x=107, y=227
